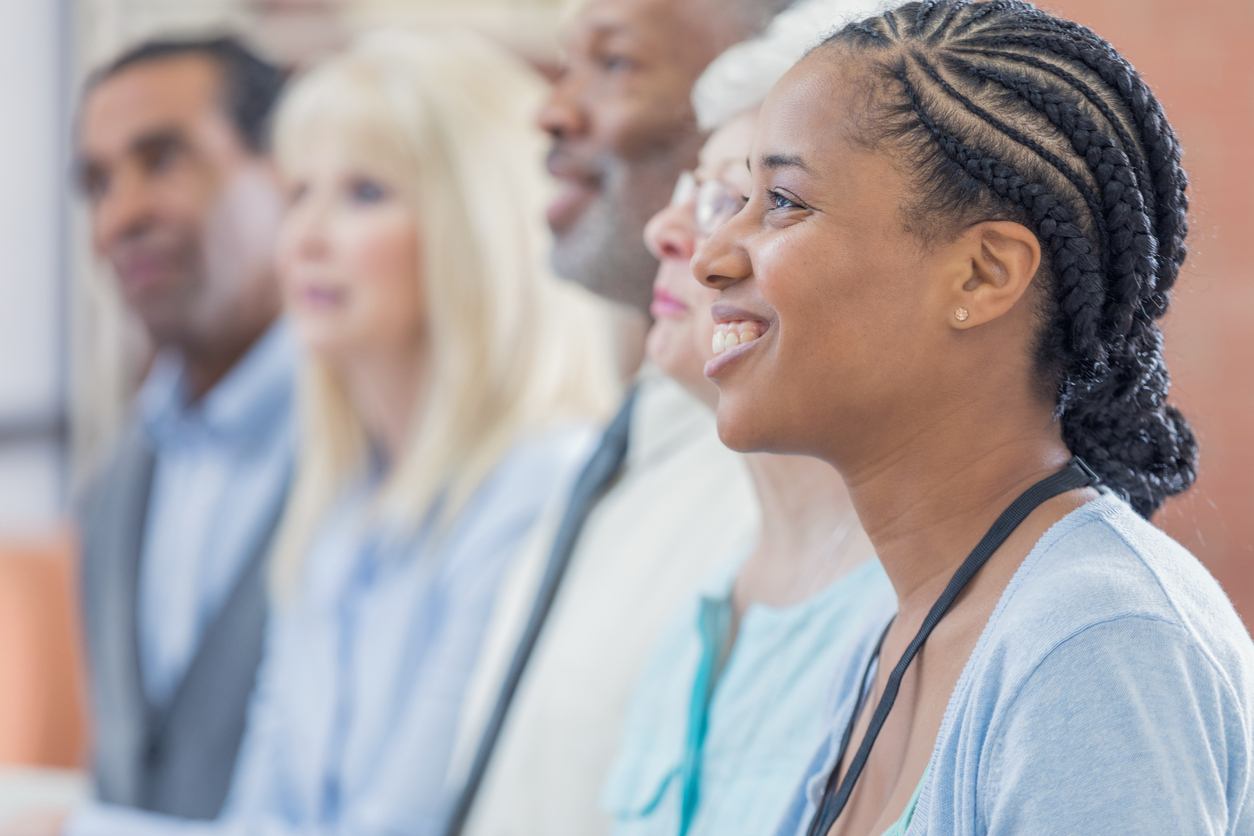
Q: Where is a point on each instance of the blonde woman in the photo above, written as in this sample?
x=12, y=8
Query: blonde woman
x=447, y=387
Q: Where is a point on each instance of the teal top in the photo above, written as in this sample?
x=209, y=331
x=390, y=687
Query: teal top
x=719, y=732
x=899, y=827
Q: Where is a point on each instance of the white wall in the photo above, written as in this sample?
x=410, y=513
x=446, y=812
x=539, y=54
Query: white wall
x=32, y=296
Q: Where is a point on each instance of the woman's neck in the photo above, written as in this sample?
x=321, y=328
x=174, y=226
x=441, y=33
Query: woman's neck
x=630, y=330
x=806, y=517
x=386, y=392
x=926, y=504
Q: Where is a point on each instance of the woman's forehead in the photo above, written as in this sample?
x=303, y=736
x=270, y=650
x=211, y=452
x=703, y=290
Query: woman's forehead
x=728, y=147
x=337, y=147
x=810, y=112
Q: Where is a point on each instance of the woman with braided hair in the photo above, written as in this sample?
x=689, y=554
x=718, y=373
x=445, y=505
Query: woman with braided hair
x=965, y=223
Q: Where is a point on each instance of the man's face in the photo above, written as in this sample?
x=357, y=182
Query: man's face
x=181, y=209
x=623, y=129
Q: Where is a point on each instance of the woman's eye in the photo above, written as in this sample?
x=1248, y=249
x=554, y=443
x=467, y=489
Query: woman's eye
x=733, y=203
x=617, y=63
x=367, y=191
x=778, y=200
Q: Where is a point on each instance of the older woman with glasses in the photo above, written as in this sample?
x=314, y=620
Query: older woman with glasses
x=730, y=709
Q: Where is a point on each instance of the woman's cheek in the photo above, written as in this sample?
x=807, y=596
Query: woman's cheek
x=397, y=285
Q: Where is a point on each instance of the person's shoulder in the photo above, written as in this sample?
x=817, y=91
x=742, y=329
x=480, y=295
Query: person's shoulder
x=128, y=459
x=532, y=474
x=548, y=456
x=1105, y=566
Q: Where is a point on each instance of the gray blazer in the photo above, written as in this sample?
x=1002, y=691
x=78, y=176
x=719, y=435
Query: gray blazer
x=177, y=761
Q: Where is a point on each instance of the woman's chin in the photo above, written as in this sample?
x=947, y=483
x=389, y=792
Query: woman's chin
x=664, y=346
x=752, y=426
x=737, y=430
x=331, y=349
x=670, y=349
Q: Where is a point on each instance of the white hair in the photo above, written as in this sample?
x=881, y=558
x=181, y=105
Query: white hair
x=740, y=78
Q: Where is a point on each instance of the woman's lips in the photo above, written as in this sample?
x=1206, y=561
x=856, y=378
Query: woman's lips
x=321, y=297
x=667, y=306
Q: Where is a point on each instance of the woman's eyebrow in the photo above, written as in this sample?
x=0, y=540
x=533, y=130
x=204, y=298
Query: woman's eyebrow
x=778, y=161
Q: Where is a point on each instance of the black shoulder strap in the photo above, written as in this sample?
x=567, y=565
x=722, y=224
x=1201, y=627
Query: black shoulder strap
x=592, y=483
x=1076, y=474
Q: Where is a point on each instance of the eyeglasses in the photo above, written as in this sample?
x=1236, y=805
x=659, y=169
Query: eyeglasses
x=714, y=202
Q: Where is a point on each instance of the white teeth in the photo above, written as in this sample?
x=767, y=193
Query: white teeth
x=728, y=335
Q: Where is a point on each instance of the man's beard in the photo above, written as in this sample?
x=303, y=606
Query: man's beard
x=604, y=250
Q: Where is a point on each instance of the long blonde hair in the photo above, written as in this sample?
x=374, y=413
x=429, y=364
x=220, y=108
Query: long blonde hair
x=511, y=349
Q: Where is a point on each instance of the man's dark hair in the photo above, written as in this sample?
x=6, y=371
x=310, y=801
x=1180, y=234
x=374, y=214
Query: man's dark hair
x=250, y=84
x=1005, y=111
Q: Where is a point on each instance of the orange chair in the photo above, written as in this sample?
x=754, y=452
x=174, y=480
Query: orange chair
x=42, y=715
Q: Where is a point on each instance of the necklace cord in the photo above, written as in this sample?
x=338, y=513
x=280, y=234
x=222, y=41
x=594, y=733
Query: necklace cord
x=1075, y=475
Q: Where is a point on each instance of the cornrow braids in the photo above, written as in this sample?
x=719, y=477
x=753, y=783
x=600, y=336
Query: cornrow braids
x=1005, y=111
x=1155, y=134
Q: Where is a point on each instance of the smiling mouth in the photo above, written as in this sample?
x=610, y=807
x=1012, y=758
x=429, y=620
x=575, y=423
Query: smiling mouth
x=316, y=296
x=729, y=335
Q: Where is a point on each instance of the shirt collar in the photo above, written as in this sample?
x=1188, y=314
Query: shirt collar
x=666, y=417
x=255, y=395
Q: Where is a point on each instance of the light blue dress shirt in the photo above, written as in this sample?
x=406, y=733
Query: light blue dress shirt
x=222, y=463
x=735, y=736
x=1112, y=691
x=366, y=665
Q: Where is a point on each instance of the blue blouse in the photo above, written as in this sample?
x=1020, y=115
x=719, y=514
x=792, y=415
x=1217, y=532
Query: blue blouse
x=716, y=742
x=1112, y=691
x=366, y=663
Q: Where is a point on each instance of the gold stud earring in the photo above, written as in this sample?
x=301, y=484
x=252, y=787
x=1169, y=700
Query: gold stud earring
x=962, y=314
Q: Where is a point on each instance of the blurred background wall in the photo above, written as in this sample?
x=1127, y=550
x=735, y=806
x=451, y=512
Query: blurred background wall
x=70, y=358
x=1199, y=58
x=34, y=389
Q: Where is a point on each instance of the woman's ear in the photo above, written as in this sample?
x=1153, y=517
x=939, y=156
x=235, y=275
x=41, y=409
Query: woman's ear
x=996, y=262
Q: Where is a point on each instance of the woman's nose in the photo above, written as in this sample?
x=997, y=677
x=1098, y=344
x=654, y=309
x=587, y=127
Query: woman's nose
x=670, y=234
x=303, y=230
x=721, y=260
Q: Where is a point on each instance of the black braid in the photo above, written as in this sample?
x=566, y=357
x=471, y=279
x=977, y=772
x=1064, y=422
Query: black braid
x=922, y=13
x=867, y=31
x=946, y=21
x=1155, y=134
x=1090, y=95
x=984, y=10
x=1026, y=141
x=1077, y=271
x=1040, y=121
x=1128, y=245
x=891, y=20
x=1066, y=39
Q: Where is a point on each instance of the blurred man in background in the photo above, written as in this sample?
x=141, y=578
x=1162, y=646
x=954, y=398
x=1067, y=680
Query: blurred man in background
x=184, y=206
x=662, y=502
